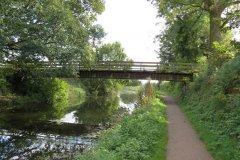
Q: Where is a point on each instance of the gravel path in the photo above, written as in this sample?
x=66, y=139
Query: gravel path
x=183, y=143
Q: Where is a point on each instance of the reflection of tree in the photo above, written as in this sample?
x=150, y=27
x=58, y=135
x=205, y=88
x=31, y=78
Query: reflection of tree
x=27, y=145
x=15, y=123
x=129, y=97
x=29, y=120
x=97, y=110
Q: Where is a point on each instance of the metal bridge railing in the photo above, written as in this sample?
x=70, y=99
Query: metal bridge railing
x=142, y=66
x=76, y=66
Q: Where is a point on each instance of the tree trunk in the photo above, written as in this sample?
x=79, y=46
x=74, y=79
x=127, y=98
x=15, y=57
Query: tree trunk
x=215, y=27
x=215, y=35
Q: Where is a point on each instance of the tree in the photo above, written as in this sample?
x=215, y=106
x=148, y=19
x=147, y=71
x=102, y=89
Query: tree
x=111, y=52
x=221, y=12
x=100, y=87
x=184, y=38
x=47, y=29
x=97, y=33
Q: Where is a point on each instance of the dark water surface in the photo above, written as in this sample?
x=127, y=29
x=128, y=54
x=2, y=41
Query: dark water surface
x=58, y=134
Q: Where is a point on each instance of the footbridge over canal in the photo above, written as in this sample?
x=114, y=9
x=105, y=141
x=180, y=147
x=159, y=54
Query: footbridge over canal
x=139, y=70
x=112, y=70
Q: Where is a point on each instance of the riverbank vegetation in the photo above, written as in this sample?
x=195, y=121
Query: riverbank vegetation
x=202, y=32
x=141, y=135
x=212, y=104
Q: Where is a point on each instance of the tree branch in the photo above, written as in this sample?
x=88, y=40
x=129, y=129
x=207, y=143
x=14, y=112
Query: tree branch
x=190, y=4
x=232, y=3
x=229, y=16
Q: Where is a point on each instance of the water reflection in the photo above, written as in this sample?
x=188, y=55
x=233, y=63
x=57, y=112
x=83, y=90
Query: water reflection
x=26, y=145
x=55, y=134
x=97, y=110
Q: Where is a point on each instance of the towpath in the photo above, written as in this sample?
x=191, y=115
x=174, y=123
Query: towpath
x=184, y=143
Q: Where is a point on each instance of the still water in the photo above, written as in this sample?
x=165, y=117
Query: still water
x=57, y=135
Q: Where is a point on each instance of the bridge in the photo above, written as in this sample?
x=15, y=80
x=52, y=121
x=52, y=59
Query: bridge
x=116, y=70
x=139, y=70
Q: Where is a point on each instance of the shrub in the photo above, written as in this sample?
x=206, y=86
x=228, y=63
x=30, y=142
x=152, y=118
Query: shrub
x=213, y=106
x=43, y=94
x=55, y=91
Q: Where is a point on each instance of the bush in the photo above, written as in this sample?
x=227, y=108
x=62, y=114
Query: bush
x=213, y=106
x=146, y=94
x=228, y=77
x=55, y=92
x=43, y=94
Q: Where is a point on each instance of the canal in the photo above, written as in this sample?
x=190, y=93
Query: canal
x=63, y=134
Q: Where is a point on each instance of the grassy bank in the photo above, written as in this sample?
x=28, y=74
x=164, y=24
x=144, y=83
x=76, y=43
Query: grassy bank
x=142, y=135
x=213, y=132
x=212, y=104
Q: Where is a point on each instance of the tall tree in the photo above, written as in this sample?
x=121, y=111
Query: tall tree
x=185, y=38
x=47, y=29
x=221, y=12
x=111, y=52
x=100, y=87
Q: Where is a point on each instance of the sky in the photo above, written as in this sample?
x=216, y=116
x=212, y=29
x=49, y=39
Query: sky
x=133, y=23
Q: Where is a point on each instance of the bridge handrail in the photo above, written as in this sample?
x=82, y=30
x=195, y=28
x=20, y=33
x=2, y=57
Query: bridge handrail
x=118, y=65
x=142, y=66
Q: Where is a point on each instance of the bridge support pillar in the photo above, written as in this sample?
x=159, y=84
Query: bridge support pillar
x=184, y=88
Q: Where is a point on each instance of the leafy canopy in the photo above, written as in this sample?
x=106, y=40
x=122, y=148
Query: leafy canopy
x=52, y=29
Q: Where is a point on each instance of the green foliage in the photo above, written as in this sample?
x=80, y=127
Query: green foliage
x=56, y=93
x=38, y=94
x=100, y=87
x=146, y=95
x=185, y=38
x=134, y=83
x=222, y=53
x=111, y=52
x=212, y=104
x=143, y=135
x=228, y=76
x=76, y=94
x=172, y=88
x=187, y=35
x=129, y=94
x=53, y=29
x=95, y=110
x=3, y=84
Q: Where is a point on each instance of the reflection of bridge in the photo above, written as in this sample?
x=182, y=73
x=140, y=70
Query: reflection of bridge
x=139, y=70
x=117, y=70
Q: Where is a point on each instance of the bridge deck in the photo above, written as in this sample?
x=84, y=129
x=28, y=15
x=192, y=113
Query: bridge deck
x=139, y=70
x=117, y=70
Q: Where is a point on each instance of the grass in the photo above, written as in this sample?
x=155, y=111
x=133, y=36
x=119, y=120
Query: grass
x=160, y=150
x=220, y=145
x=142, y=135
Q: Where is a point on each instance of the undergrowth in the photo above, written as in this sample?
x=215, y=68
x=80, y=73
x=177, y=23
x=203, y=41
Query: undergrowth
x=142, y=135
x=212, y=104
